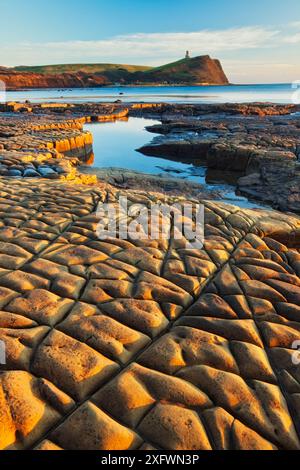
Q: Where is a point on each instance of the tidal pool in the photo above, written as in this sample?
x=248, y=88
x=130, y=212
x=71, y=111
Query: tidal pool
x=115, y=145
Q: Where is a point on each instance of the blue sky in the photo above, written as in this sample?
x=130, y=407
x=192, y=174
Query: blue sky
x=257, y=41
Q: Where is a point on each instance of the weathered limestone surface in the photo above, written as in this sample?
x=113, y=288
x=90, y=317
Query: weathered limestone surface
x=225, y=142
x=277, y=184
x=48, y=140
x=261, y=141
x=127, y=344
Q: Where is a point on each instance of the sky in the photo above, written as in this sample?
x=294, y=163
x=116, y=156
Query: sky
x=257, y=41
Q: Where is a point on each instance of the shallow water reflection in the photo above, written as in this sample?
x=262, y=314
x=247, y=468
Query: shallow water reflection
x=115, y=145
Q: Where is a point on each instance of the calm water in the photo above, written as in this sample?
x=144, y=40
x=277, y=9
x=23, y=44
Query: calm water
x=115, y=145
x=277, y=93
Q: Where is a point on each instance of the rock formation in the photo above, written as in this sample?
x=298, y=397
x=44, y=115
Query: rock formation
x=20, y=80
x=139, y=344
x=261, y=141
x=197, y=71
x=200, y=70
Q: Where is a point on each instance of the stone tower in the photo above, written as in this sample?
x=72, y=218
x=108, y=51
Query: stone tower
x=187, y=55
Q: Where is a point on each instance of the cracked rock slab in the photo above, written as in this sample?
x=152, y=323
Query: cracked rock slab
x=127, y=344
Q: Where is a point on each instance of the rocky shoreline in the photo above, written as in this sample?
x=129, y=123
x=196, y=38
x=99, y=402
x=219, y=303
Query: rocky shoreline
x=259, y=143
x=145, y=344
x=48, y=140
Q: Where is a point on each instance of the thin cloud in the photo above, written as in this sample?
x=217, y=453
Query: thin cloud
x=229, y=45
x=152, y=48
x=292, y=39
x=255, y=71
x=294, y=36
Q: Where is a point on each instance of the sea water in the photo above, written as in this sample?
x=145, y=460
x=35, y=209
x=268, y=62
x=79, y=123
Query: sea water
x=276, y=93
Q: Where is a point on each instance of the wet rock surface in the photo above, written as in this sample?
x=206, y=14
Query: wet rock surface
x=277, y=184
x=250, y=139
x=129, y=179
x=48, y=140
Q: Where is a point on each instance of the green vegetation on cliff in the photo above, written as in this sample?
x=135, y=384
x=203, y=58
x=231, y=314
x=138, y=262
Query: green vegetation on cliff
x=87, y=68
x=193, y=71
x=196, y=70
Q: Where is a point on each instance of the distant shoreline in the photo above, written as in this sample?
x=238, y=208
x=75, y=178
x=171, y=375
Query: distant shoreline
x=153, y=85
x=143, y=85
x=213, y=94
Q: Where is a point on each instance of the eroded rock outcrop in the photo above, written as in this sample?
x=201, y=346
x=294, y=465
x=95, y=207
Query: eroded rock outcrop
x=126, y=344
x=22, y=80
x=261, y=141
x=277, y=184
x=201, y=70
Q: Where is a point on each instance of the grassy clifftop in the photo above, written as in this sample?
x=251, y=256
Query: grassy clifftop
x=199, y=70
x=196, y=70
x=87, y=68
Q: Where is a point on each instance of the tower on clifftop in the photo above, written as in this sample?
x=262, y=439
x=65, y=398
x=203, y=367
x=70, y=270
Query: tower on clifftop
x=187, y=55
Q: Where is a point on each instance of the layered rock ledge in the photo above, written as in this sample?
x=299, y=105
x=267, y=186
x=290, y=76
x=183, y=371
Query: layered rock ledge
x=145, y=344
x=246, y=139
x=257, y=140
x=48, y=140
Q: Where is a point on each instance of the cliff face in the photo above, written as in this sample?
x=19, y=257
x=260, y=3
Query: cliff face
x=17, y=80
x=195, y=71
